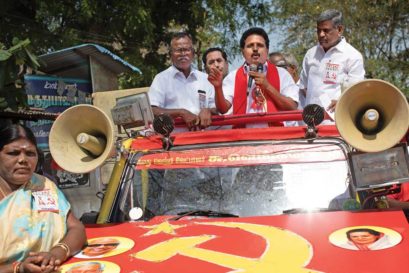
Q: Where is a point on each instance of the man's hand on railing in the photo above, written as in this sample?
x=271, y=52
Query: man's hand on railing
x=190, y=119
x=220, y=120
x=205, y=118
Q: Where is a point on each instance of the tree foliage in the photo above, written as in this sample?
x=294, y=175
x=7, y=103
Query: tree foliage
x=138, y=30
x=14, y=62
x=377, y=28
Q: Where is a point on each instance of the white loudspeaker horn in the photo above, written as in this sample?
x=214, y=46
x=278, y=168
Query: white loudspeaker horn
x=81, y=138
x=372, y=115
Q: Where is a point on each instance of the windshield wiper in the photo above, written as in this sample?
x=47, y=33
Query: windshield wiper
x=206, y=213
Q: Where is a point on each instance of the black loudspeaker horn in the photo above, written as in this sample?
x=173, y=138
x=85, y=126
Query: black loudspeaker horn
x=372, y=115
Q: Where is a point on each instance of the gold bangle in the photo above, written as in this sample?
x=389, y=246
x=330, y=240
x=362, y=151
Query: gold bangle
x=66, y=248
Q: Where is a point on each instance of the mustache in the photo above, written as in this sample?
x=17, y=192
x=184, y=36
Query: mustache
x=183, y=59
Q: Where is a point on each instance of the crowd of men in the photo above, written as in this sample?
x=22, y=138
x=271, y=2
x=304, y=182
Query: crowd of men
x=264, y=83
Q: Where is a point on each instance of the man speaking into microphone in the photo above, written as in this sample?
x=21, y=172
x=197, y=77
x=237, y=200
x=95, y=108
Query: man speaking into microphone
x=257, y=86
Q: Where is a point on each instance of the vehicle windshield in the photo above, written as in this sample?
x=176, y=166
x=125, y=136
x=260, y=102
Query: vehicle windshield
x=244, y=179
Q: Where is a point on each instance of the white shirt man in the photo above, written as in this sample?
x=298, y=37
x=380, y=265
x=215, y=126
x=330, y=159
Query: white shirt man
x=330, y=64
x=172, y=90
x=181, y=90
x=341, y=65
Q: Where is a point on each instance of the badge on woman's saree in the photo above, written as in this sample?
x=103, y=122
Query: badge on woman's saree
x=331, y=73
x=45, y=201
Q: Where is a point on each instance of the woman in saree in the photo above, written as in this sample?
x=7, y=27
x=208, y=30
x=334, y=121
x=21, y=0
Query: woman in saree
x=38, y=231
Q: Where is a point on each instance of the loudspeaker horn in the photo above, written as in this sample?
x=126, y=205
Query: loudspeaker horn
x=372, y=115
x=81, y=138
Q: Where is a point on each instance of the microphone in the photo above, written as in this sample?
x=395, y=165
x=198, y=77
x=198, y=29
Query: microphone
x=252, y=67
x=260, y=68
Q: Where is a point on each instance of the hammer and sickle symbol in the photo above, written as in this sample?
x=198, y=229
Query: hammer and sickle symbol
x=285, y=252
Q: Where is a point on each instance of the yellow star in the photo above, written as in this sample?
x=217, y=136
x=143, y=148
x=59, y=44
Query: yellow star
x=164, y=227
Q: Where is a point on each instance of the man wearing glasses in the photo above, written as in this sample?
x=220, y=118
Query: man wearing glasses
x=288, y=62
x=181, y=90
x=277, y=59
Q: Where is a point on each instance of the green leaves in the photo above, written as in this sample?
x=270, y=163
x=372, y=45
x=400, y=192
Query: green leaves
x=4, y=55
x=3, y=103
x=13, y=64
x=378, y=29
x=32, y=59
x=138, y=31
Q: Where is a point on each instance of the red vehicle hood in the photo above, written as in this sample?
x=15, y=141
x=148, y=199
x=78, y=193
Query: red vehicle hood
x=285, y=243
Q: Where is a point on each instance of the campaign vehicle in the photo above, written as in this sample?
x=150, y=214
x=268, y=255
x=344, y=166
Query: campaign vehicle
x=308, y=198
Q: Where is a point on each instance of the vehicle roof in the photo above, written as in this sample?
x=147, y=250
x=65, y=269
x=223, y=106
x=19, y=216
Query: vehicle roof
x=232, y=135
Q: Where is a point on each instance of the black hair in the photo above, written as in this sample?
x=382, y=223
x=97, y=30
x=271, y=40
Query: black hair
x=370, y=231
x=14, y=132
x=257, y=31
x=333, y=15
x=204, y=56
